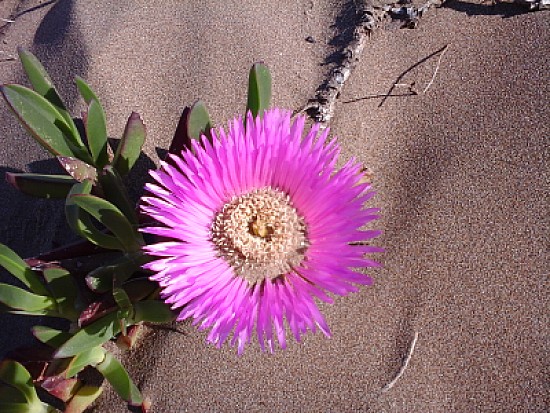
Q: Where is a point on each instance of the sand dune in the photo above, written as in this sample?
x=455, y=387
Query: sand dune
x=461, y=173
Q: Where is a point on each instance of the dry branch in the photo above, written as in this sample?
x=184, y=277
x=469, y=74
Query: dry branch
x=321, y=108
x=369, y=16
x=535, y=4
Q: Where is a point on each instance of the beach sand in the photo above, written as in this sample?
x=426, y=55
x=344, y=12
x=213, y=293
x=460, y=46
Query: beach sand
x=461, y=173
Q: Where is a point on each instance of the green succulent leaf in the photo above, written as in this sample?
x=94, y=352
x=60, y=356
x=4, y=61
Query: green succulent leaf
x=153, y=311
x=118, y=378
x=41, y=186
x=90, y=357
x=9, y=407
x=115, y=192
x=85, y=90
x=78, y=169
x=43, y=85
x=21, y=270
x=10, y=395
x=81, y=222
x=42, y=120
x=96, y=132
x=122, y=299
x=50, y=336
x=92, y=335
x=63, y=289
x=198, y=122
x=15, y=375
x=35, y=313
x=129, y=147
x=117, y=271
x=19, y=299
x=140, y=288
x=259, y=89
x=83, y=398
x=193, y=123
x=110, y=216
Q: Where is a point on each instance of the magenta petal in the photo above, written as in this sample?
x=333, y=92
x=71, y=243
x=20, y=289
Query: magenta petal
x=193, y=268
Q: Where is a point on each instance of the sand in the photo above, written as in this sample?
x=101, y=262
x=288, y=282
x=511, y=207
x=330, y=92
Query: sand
x=461, y=174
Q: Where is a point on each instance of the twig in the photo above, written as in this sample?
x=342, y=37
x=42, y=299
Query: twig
x=436, y=69
x=31, y=9
x=535, y=5
x=369, y=17
x=412, y=14
x=7, y=20
x=322, y=107
x=400, y=77
x=404, y=365
x=382, y=95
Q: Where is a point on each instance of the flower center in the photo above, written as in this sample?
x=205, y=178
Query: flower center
x=260, y=234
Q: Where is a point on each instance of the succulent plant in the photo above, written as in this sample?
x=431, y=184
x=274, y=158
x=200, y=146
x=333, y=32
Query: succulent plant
x=97, y=284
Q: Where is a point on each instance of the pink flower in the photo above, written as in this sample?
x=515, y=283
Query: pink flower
x=260, y=222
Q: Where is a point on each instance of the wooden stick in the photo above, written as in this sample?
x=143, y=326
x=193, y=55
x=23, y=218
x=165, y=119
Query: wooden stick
x=369, y=17
x=321, y=108
x=402, y=75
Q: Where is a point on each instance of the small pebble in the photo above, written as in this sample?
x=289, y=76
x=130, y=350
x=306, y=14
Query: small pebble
x=310, y=39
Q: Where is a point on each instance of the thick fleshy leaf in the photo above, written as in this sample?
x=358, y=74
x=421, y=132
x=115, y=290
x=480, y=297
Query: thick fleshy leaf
x=118, y=377
x=92, y=335
x=78, y=169
x=45, y=312
x=128, y=341
x=259, y=89
x=140, y=288
x=96, y=132
x=10, y=395
x=90, y=357
x=129, y=147
x=15, y=375
x=85, y=90
x=21, y=270
x=19, y=299
x=83, y=399
x=122, y=299
x=63, y=389
x=63, y=289
x=43, y=122
x=43, y=85
x=81, y=222
x=153, y=311
x=110, y=216
x=41, y=186
x=193, y=123
x=103, y=278
x=124, y=304
x=74, y=256
x=50, y=336
x=198, y=122
x=9, y=407
x=96, y=310
x=115, y=192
